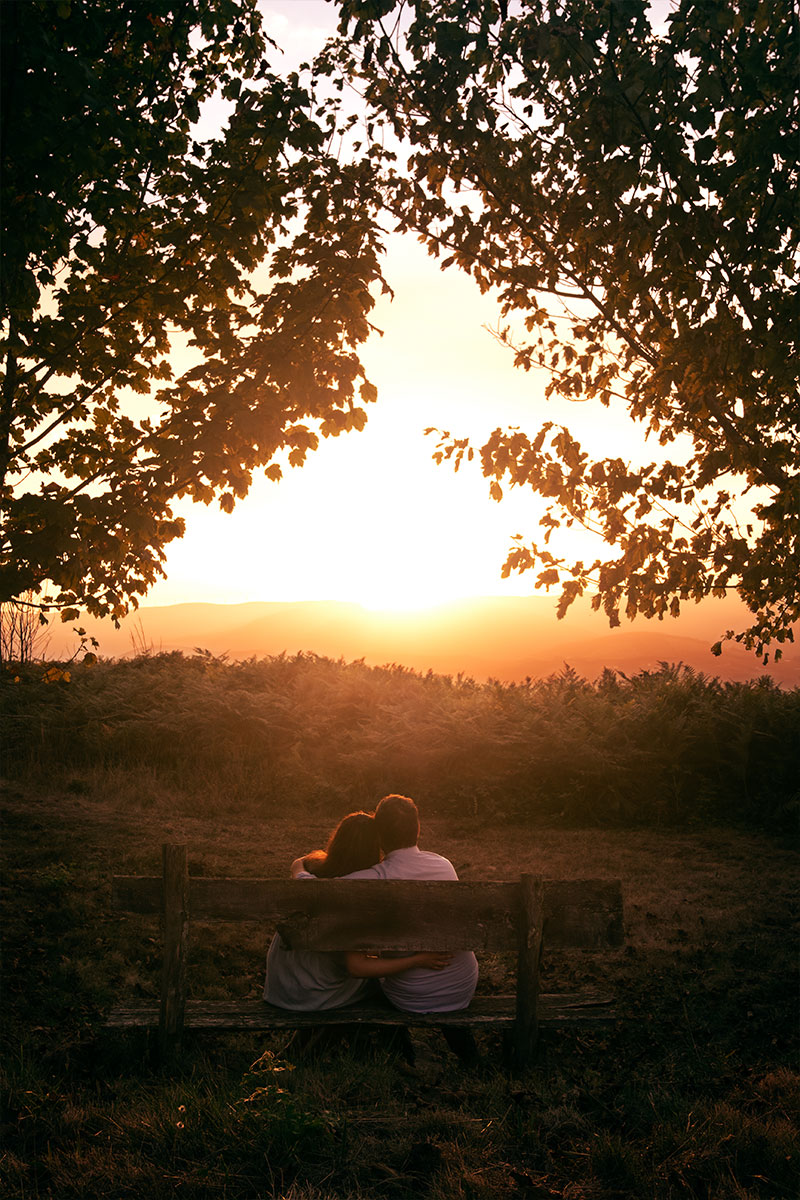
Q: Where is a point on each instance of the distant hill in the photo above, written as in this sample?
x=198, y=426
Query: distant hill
x=505, y=638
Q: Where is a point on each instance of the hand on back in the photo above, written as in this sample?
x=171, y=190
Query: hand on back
x=434, y=960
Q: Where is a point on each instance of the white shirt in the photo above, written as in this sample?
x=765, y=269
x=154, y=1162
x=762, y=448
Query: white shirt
x=409, y=863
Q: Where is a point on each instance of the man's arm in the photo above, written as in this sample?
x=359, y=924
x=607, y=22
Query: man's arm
x=369, y=966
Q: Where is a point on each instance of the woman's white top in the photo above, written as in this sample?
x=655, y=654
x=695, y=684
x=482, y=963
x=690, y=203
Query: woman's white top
x=310, y=980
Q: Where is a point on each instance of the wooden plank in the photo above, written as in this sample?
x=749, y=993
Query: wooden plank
x=577, y=913
x=176, y=933
x=349, y=914
x=528, y=958
x=254, y=1015
x=402, y=915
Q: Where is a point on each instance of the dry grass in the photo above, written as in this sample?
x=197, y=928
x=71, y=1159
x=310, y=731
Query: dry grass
x=695, y=1095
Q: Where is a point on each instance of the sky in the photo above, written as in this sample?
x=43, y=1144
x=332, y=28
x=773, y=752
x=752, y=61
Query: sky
x=370, y=517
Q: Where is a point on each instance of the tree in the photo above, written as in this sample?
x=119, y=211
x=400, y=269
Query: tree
x=23, y=631
x=178, y=308
x=631, y=194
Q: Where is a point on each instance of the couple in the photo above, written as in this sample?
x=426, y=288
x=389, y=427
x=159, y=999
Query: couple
x=365, y=847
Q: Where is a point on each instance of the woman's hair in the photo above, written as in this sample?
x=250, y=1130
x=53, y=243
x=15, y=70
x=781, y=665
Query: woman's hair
x=353, y=846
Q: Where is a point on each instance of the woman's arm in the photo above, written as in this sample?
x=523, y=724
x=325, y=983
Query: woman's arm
x=368, y=966
x=297, y=866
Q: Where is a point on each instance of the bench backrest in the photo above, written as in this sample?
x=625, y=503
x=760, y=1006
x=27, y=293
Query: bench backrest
x=334, y=914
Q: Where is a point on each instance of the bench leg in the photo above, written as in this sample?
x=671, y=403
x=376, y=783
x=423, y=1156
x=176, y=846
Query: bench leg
x=175, y=897
x=526, y=1025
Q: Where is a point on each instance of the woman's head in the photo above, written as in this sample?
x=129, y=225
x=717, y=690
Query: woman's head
x=353, y=846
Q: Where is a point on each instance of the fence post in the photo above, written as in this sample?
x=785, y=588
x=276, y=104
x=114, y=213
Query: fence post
x=175, y=918
x=526, y=1025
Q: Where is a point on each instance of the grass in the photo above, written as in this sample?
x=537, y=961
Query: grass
x=694, y=1094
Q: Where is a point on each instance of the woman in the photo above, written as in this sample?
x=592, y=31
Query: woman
x=308, y=980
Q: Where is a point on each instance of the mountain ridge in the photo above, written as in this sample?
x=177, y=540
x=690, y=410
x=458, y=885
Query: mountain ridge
x=504, y=638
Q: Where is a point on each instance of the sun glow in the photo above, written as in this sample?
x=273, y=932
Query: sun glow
x=369, y=518
x=395, y=603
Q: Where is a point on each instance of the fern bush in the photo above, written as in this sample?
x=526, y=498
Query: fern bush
x=665, y=746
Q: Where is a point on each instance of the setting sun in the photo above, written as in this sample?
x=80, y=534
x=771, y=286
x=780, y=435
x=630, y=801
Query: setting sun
x=370, y=518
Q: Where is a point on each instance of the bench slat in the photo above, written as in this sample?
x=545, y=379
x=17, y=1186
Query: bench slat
x=398, y=915
x=255, y=1015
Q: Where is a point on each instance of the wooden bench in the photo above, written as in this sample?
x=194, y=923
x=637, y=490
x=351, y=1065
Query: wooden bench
x=375, y=916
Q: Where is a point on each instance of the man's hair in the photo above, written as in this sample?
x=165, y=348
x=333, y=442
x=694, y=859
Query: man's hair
x=398, y=823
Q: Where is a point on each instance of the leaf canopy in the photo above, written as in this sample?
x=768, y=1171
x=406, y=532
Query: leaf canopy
x=178, y=307
x=630, y=194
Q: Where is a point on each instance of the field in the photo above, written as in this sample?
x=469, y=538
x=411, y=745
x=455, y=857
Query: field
x=693, y=1093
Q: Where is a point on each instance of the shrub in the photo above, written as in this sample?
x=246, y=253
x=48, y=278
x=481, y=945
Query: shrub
x=663, y=746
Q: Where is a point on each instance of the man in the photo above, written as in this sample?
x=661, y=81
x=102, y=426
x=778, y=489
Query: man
x=421, y=989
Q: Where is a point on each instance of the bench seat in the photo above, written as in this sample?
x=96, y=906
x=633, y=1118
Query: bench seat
x=256, y=1015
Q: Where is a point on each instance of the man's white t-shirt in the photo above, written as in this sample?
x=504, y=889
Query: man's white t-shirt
x=421, y=989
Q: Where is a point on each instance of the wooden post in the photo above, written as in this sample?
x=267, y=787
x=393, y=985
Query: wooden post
x=530, y=950
x=175, y=917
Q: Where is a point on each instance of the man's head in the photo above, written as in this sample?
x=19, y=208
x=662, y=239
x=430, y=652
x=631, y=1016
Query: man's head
x=398, y=823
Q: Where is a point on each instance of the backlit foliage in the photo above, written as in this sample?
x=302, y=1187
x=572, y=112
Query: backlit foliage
x=312, y=734
x=630, y=193
x=178, y=308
